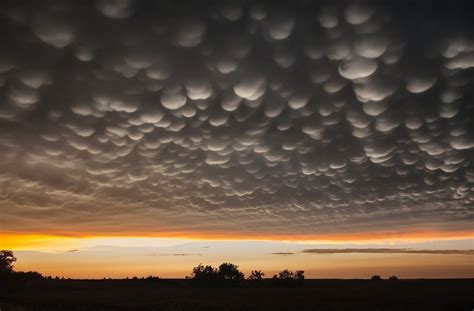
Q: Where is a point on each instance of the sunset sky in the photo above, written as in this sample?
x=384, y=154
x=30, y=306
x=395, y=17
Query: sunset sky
x=146, y=137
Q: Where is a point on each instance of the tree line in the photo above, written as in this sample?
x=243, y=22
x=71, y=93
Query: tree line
x=226, y=275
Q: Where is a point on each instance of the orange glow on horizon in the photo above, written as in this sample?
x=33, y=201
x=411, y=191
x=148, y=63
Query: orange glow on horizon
x=15, y=240
x=54, y=256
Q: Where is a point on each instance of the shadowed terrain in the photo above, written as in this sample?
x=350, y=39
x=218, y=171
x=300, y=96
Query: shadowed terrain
x=174, y=294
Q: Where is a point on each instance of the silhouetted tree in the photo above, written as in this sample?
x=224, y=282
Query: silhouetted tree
x=202, y=272
x=285, y=274
x=152, y=278
x=376, y=278
x=28, y=276
x=255, y=278
x=393, y=278
x=7, y=258
x=204, y=275
x=8, y=280
x=289, y=278
x=229, y=271
x=256, y=275
x=227, y=274
x=299, y=275
x=12, y=280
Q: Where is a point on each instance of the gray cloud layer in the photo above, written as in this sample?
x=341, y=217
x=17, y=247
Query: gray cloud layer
x=240, y=117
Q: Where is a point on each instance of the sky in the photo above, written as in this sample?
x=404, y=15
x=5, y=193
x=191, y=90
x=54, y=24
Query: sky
x=142, y=137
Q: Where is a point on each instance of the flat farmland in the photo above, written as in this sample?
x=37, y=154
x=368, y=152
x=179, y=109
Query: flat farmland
x=180, y=295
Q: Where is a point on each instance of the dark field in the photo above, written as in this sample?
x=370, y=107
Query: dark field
x=179, y=295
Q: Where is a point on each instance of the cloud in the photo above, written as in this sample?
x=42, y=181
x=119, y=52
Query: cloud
x=235, y=119
x=177, y=254
x=388, y=251
x=283, y=253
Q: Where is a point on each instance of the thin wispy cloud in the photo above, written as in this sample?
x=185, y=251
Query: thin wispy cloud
x=175, y=254
x=387, y=251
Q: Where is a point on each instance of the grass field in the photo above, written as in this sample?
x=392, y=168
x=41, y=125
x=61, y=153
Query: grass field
x=179, y=295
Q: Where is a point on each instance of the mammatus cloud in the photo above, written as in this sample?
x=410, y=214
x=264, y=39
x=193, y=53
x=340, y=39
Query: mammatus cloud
x=245, y=117
x=388, y=251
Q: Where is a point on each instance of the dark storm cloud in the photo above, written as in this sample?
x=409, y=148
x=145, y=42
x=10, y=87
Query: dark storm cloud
x=256, y=117
x=388, y=251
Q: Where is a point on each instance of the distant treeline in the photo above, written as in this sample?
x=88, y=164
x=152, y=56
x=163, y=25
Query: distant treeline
x=226, y=275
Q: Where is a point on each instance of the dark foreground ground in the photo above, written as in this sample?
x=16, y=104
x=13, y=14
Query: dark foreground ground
x=179, y=295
